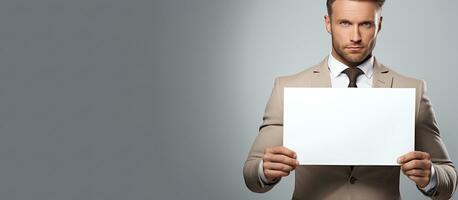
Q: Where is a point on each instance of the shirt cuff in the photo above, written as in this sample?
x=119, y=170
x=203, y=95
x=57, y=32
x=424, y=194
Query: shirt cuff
x=432, y=181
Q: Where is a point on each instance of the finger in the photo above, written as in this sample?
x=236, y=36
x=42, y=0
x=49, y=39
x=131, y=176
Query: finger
x=284, y=151
x=276, y=158
x=277, y=166
x=275, y=173
x=418, y=180
x=414, y=155
x=416, y=164
x=417, y=172
x=280, y=159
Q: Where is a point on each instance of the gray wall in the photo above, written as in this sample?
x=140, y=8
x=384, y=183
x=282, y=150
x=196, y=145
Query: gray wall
x=162, y=99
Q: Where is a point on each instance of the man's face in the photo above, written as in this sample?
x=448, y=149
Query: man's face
x=354, y=26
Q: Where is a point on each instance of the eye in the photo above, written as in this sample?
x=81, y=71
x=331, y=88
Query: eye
x=345, y=23
x=366, y=24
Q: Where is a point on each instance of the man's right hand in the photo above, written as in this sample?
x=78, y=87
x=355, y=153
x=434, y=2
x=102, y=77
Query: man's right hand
x=278, y=162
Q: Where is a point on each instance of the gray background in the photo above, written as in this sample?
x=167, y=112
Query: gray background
x=162, y=99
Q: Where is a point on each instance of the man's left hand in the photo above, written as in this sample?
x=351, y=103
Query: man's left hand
x=417, y=166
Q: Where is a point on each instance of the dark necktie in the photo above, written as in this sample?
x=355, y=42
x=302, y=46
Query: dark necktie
x=353, y=73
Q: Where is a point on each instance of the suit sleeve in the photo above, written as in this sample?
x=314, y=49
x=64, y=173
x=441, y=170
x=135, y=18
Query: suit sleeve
x=428, y=140
x=270, y=135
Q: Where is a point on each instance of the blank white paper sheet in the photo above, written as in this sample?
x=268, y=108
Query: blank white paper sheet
x=349, y=126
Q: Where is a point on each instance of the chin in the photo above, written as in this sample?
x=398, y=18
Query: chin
x=354, y=59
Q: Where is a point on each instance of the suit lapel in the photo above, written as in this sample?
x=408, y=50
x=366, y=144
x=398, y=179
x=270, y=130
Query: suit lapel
x=382, y=78
x=320, y=75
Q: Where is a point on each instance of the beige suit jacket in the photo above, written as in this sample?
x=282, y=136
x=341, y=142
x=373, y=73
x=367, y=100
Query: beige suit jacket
x=339, y=182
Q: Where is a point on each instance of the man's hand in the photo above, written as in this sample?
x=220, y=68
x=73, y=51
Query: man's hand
x=417, y=166
x=278, y=162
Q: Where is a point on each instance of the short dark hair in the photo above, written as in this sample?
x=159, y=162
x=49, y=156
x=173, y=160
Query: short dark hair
x=330, y=2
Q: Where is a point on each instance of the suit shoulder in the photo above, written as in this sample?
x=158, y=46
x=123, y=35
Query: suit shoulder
x=402, y=80
x=299, y=78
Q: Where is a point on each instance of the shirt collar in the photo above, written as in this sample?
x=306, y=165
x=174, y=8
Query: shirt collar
x=336, y=67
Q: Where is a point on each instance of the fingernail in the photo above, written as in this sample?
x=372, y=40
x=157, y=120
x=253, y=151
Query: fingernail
x=295, y=155
x=297, y=162
x=399, y=160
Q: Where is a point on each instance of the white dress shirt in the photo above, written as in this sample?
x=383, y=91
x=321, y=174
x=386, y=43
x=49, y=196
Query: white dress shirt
x=341, y=80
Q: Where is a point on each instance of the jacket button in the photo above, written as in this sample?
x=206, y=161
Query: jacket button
x=353, y=180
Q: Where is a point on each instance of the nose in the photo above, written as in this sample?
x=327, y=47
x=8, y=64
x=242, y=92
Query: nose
x=355, y=36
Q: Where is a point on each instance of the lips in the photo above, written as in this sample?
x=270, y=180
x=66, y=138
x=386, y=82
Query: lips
x=354, y=48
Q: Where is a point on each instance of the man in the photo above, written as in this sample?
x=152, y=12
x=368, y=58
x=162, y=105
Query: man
x=354, y=26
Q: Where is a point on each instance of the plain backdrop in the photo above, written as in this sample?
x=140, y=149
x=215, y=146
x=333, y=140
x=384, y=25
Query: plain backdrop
x=214, y=70
x=162, y=99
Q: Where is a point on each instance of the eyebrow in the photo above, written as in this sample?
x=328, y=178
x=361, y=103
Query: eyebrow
x=346, y=20
x=368, y=21
x=343, y=20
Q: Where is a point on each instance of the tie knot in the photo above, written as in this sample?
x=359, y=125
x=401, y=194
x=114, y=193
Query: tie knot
x=353, y=73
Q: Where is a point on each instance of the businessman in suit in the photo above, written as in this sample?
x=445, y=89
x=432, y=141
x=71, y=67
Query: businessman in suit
x=353, y=26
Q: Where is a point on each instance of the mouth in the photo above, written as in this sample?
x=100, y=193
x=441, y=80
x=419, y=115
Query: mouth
x=354, y=48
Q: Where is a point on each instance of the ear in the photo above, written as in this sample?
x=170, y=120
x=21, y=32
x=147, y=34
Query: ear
x=327, y=21
x=380, y=24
